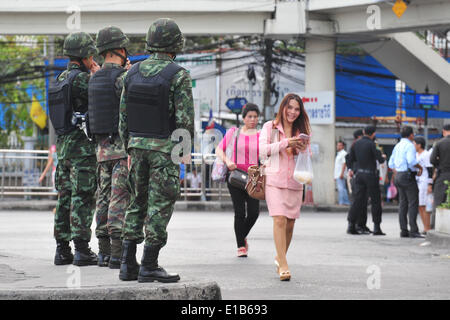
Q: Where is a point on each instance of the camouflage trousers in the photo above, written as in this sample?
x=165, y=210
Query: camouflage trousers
x=154, y=187
x=112, y=198
x=76, y=182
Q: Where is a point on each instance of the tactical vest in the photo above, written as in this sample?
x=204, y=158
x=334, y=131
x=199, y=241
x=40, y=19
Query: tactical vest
x=103, y=101
x=148, y=103
x=60, y=103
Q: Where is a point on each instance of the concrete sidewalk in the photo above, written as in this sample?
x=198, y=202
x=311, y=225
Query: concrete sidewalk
x=325, y=262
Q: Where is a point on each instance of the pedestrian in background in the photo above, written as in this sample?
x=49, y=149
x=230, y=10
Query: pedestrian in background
x=440, y=158
x=404, y=163
x=280, y=142
x=340, y=174
x=156, y=100
x=365, y=154
x=244, y=141
x=423, y=158
x=352, y=167
x=52, y=162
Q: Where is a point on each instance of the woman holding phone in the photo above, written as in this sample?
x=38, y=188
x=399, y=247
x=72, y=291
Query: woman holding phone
x=280, y=142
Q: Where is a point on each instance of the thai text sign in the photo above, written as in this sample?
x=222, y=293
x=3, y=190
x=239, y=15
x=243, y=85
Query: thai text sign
x=320, y=106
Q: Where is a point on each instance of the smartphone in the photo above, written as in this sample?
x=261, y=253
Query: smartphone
x=303, y=136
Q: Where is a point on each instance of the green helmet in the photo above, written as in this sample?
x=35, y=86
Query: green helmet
x=79, y=44
x=164, y=35
x=111, y=38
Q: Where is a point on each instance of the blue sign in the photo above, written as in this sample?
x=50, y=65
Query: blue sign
x=236, y=104
x=427, y=99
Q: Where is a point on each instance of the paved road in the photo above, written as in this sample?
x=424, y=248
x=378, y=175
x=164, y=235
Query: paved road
x=325, y=262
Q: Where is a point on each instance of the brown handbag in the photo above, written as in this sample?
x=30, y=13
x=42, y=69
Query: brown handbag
x=256, y=182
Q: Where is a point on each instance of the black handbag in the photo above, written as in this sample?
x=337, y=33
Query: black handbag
x=237, y=178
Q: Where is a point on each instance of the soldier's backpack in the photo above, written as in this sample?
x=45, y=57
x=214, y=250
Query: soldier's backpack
x=60, y=104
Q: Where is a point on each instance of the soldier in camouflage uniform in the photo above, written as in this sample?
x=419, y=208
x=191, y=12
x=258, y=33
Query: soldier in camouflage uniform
x=143, y=126
x=113, y=195
x=75, y=177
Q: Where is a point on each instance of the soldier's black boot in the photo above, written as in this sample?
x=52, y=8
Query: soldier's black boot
x=83, y=254
x=116, y=251
x=104, y=251
x=63, y=253
x=129, y=268
x=351, y=229
x=377, y=230
x=150, y=271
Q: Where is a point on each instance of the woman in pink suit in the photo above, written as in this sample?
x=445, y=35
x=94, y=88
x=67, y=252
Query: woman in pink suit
x=279, y=144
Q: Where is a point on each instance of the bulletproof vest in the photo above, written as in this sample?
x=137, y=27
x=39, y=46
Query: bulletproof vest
x=104, y=102
x=148, y=103
x=60, y=103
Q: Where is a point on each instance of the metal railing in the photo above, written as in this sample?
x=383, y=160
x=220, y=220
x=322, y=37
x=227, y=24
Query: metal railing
x=20, y=171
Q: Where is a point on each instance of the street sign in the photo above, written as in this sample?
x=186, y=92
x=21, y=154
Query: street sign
x=236, y=104
x=427, y=99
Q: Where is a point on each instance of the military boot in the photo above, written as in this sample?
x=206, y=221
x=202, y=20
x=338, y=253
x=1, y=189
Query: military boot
x=116, y=251
x=104, y=251
x=150, y=271
x=63, y=253
x=129, y=268
x=83, y=254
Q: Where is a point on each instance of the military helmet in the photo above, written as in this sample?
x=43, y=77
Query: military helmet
x=164, y=35
x=111, y=38
x=79, y=44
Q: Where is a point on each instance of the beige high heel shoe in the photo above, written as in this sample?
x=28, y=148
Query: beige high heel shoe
x=285, y=275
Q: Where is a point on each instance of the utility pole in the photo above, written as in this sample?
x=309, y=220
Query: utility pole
x=51, y=64
x=425, y=128
x=267, y=79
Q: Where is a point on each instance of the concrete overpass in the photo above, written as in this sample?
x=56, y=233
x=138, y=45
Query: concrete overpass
x=372, y=23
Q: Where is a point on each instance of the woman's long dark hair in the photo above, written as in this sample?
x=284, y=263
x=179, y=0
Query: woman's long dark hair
x=301, y=124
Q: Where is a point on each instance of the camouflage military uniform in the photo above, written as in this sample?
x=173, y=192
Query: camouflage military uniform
x=75, y=177
x=112, y=172
x=154, y=178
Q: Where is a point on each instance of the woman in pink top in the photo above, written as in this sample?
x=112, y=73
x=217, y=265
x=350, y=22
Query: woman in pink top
x=279, y=144
x=247, y=155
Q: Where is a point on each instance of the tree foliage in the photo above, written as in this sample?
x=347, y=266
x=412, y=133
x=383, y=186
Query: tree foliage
x=21, y=68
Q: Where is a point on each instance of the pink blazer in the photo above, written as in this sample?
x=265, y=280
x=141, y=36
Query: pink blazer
x=279, y=166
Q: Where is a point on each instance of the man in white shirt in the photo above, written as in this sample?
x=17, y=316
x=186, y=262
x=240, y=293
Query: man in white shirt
x=340, y=173
x=404, y=163
x=194, y=179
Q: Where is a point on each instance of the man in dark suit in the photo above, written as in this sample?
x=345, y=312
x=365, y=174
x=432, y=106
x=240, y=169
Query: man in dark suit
x=440, y=158
x=365, y=154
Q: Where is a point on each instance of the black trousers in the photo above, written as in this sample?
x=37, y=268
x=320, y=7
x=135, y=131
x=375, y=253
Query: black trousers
x=243, y=222
x=362, y=218
x=365, y=185
x=408, y=193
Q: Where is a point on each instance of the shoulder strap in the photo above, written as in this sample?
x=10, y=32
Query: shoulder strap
x=70, y=78
x=134, y=69
x=235, y=145
x=170, y=70
x=72, y=74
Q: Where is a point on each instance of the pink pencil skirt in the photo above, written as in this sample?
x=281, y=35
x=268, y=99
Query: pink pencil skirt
x=283, y=202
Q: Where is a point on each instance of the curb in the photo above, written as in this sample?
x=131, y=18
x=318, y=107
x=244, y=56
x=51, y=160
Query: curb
x=49, y=205
x=178, y=291
x=439, y=239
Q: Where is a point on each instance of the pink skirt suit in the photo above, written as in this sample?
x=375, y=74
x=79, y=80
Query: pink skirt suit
x=283, y=193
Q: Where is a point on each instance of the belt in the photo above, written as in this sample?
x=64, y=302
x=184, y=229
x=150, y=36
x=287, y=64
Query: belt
x=366, y=171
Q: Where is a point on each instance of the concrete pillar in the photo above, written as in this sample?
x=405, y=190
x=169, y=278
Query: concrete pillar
x=320, y=76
